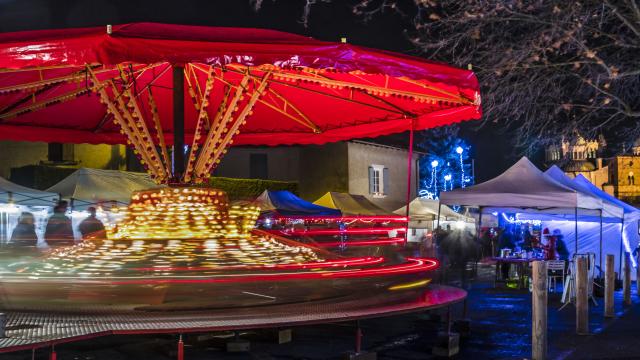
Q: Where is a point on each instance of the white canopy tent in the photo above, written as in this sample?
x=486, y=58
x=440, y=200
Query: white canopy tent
x=523, y=188
x=93, y=187
x=630, y=219
x=600, y=235
x=14, y=199
x=423, y=212
x=102, y=189
x=12, y=193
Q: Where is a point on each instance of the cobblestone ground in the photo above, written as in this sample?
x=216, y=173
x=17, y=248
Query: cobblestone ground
x=500, y=329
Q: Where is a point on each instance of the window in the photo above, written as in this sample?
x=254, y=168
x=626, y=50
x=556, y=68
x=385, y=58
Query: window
x=57, y=152
x=258, y=166
x=378, y=180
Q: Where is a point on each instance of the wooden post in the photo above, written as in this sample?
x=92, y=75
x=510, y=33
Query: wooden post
x=609, y=286
x=582, y=297
x=539, y=311
x=627, y=280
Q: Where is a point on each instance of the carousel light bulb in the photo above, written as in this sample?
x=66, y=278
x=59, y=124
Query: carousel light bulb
x=459, y=149
x=434, y=163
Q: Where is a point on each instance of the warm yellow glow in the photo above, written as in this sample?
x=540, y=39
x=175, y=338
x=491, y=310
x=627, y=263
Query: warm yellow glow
x=411, y=285
x=183, y=213
x=174, y=230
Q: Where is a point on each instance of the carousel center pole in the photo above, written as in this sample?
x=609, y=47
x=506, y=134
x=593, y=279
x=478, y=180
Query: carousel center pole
x=178, y=122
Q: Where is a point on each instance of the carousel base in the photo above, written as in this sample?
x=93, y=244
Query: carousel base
x=29, y=330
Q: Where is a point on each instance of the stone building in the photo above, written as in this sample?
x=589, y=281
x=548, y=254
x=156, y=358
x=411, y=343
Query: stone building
x=376, y=171
x=615, y=175
x=14, y=154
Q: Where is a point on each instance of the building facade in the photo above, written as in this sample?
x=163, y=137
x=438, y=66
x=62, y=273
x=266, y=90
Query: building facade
x=378, y=172
x=16, y=154
x=615, y=175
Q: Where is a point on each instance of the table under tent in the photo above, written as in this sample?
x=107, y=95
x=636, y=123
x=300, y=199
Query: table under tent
x=524, y=194
x=15, y=199
x=102, y=189
x=423, y=214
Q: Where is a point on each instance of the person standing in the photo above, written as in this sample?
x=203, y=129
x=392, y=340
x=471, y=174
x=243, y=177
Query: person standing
x=59, y=231
x=24, y=234
x=92, y=226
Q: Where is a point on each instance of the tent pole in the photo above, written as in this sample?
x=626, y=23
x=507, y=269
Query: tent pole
x=409, y=163
x=600, y=240
x=621, y=245
x=576, y=221
x=438, y=219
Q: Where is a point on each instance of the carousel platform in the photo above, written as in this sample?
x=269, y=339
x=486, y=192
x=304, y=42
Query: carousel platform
x=28, y=330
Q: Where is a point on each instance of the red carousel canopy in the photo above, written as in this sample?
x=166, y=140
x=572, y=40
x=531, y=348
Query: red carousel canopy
x=241, y=86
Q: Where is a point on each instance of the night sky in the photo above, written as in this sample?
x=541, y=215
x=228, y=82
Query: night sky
x=328, y=21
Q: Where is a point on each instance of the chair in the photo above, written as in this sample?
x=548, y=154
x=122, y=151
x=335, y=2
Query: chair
x=556, y=270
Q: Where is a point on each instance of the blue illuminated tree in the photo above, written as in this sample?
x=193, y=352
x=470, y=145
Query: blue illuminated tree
x=447, y=164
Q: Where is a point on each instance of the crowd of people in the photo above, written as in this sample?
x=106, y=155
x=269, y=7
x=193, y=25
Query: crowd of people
x=59, y=229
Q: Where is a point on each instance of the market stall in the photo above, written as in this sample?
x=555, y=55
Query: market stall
x=423, y=213
x=522, y=193
x=350, y=204
x=101, y=189
x=15, y=199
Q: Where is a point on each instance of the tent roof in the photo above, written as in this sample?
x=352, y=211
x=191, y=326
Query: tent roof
x=88, y=187
x=350, y=204
x=421, y=209
x=21, y=195
x=609, y=209
x=583, y=181
x=523, y=185
x=317, y=91
x=286, y=203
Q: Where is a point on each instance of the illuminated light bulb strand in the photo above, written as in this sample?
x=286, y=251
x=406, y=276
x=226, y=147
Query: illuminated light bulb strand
x=240, y=120
x=143, y=142
x=200, y=120
x=158, y=127
x=218, y=128
x=118, y=117
x=141, y=125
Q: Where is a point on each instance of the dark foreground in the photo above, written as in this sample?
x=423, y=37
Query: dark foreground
x=500, y=329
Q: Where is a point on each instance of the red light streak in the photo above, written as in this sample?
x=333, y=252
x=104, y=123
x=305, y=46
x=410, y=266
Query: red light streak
x=377, y=230
x=364, y=261
x=381, y=218
x=413, y=265
x=391, y=241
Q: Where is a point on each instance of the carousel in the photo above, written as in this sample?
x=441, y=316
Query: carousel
x=180, y=96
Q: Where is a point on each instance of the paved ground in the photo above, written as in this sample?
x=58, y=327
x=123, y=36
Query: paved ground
x=500, y=329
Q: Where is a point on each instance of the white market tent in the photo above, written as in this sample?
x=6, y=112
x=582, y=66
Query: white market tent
x=422, y=213
x=12, y=193
x=92, y=187
x=630, y=219
x=600, y=235
x=14, y=199
x=523, y=188
x=422, y=210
